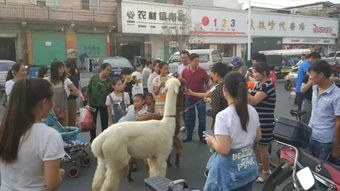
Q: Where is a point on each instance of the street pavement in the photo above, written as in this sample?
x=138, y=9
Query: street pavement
x=193, y=159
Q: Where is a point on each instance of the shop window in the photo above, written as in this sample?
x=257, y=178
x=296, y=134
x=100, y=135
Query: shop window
x=85, y=4
x=41, y=3
x=89, y=4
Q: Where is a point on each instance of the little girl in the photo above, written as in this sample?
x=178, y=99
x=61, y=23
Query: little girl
x=158, y=86
x=117, y=102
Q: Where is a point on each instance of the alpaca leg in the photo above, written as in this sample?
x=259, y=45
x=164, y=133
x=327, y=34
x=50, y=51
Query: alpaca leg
x=112, y=178
x=146, y=164
x=161, y=167
x=130, y=166
x=99, y=176
x=178, y=147
x=168, y=161
x=157, y=167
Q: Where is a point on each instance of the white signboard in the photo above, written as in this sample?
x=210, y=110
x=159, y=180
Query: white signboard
x=149, y=18
x=234, y=23
x=308, y=41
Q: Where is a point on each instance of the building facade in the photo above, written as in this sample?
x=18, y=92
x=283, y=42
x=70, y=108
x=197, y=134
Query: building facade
x=39, y=31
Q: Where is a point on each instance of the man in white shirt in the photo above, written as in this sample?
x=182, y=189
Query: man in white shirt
x=145, y=75
x=184, y=62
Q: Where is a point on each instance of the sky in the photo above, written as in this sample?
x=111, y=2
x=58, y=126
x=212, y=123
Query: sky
x=283, y=3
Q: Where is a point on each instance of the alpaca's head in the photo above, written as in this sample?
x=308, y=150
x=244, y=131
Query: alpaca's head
x=172, y=86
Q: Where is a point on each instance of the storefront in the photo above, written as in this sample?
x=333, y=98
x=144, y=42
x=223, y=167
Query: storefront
x=322, y=45
x=216, y=28
x=160, y=25
x=11, y=42
x=226, y=30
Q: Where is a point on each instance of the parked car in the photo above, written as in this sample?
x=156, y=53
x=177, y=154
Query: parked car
x=208, y=57
x=5, y=66
x=117, y=63
x=333, y=58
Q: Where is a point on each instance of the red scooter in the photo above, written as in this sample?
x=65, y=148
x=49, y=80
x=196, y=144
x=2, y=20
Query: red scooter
x=325, y=175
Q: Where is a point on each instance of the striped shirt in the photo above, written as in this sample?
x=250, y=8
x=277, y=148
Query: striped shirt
x=266, y=109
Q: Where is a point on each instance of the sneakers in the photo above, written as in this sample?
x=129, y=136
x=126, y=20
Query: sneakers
x=183, y=129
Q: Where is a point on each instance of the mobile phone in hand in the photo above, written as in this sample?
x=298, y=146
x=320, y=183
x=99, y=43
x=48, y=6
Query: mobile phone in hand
x=209, y=133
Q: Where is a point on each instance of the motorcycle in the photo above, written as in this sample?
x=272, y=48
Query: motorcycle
x=325, y=174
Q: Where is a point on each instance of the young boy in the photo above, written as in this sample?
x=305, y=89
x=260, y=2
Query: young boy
x=136, y=110
x=145, y=75
x=137, y=88
x=149, y=102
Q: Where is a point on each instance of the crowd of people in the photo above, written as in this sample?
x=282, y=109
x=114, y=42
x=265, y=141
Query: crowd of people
x=242, y=125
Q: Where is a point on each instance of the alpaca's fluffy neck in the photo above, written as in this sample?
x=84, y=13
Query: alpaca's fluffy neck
x=170, y=104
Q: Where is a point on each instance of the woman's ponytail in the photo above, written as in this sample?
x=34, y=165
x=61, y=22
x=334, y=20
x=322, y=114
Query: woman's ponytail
x=236, y=86
x=242, y=105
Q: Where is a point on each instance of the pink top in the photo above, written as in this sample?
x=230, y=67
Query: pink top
x=195, y=80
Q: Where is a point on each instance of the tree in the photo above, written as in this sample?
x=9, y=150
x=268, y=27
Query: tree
x=177, y=31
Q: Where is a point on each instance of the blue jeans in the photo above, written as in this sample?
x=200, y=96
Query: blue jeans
x=190, y=117
x=319, y=150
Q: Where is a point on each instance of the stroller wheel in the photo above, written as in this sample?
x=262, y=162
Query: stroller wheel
x=85, y=161
x=73, y=172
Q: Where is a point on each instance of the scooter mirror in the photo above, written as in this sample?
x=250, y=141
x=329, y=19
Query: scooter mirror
x=306, y=178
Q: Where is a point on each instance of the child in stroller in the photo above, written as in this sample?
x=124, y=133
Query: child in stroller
x=74, y=146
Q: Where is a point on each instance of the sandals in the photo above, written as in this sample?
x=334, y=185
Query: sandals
x=262, y=179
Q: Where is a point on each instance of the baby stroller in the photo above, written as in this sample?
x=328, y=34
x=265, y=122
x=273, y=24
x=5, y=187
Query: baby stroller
x=74, y=146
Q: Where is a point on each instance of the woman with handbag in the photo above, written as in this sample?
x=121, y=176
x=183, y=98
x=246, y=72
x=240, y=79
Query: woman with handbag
x=59, y=84
x=97, y=90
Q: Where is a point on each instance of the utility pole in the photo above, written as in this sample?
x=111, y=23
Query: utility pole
x=249, y=28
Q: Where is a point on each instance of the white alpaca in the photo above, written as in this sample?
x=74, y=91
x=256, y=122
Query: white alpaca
x=150, y=140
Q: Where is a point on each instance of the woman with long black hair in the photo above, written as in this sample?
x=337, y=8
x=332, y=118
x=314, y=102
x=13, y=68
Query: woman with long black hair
x=233, y=165
x=59, y=85
x=72, y=72
x=30, y=151
x=17, y=72
x=263, y=98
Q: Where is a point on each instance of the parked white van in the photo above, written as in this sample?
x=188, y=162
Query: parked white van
x=208, y=57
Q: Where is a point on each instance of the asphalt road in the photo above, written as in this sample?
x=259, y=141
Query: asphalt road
x=193, y=160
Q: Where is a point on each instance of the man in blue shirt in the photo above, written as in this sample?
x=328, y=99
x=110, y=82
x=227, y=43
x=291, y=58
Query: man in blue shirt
x=303, y=68
x=325, y=119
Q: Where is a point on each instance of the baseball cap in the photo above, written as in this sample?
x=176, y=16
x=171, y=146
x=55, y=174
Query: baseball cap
x=138, y=75
x=236, y=61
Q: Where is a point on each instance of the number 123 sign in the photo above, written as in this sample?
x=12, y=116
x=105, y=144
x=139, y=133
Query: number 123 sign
x=219, y=22
x=223, y=23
